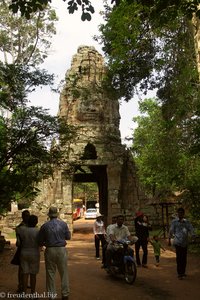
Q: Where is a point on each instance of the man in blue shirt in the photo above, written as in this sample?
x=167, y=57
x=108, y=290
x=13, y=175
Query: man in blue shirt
x=53, y=235
x=180, y=230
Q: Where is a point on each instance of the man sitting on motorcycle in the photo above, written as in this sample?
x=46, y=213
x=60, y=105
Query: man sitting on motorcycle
x=118, y=232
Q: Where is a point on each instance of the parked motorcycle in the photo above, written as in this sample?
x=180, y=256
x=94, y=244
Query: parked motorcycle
x=123, y=264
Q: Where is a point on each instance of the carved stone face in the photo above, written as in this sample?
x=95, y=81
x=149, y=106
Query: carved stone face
x=86, y=99
x=91, y=111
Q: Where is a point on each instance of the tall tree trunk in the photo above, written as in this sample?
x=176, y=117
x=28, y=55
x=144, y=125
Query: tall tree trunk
x=196, y=31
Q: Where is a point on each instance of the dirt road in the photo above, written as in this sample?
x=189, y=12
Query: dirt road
x=89, y=282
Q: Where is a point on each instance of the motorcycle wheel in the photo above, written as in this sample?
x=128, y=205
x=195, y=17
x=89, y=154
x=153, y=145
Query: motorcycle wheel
x=130, y=272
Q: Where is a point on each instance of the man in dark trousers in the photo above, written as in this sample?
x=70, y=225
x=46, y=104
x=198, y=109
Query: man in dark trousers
x=142, y=228
x=53, y=235
x=180, y=229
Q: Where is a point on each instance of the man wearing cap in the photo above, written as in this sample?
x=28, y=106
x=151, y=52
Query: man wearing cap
x=99, y=235
x=53, y=235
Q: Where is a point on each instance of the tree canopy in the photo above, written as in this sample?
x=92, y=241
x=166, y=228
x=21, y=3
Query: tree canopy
x=31, y=140
x=142, y=51
x=25, y=41
x=157, y=152
x=157, y=7
x=27, y=7
x=26, y=152
x=164, y=156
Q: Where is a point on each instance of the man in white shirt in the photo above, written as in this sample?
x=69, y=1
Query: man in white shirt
x=118, y=232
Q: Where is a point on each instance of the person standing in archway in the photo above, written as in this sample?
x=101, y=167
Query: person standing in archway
x=99, y=236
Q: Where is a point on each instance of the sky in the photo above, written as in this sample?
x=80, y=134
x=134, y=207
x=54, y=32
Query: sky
x=71, y=33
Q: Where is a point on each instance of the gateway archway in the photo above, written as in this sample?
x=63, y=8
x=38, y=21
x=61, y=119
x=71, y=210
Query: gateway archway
x=97, y=174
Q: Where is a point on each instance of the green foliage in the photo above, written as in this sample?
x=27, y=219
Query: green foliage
x=167, y=137
x=143, y=50
x=167, y=10
x=28, y=152
x=163, y=157
x=16, y=81
x=158, y=8
x=156, y=155
x=26, y=41
x=191, y=193
x=31, y=140
x=86, y=191
x=26, y=155
x=27, y=7
x=129, y=46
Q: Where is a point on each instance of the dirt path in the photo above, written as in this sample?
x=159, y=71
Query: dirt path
x=89, y=282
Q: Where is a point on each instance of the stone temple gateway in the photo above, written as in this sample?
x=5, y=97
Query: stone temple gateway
x=95, y=154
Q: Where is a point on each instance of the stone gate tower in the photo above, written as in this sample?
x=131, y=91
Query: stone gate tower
x=95, y=154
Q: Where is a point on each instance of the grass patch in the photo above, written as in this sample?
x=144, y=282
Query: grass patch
x=194, y=249
x=159, y=232
x=11, y=235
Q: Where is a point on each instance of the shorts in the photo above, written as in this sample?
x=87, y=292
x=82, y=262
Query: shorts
x=30, y=262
